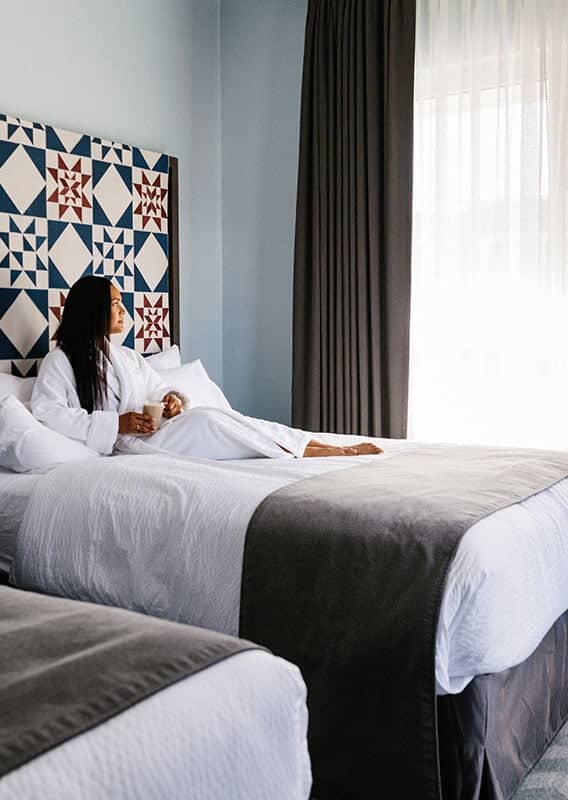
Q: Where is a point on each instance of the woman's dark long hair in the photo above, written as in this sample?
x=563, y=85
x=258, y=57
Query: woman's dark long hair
x=82, y=335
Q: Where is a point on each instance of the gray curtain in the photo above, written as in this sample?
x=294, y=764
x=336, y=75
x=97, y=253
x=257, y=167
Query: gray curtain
x=353, y=218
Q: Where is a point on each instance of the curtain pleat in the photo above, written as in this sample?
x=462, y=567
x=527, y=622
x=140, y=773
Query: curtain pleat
x=353, y=219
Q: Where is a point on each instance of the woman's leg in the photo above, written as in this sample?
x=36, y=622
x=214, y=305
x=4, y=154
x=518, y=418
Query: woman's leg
x=210, y=433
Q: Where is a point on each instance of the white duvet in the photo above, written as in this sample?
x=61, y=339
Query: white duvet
x=166, y=536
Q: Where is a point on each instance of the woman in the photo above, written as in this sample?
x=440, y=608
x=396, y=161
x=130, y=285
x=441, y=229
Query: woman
x=91, y=390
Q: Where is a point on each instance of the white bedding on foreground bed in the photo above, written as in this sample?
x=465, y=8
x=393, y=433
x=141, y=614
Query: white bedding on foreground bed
x=166, y=536
x=236, y=729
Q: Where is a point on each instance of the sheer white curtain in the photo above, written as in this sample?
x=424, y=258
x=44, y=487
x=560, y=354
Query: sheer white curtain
x=489, y=320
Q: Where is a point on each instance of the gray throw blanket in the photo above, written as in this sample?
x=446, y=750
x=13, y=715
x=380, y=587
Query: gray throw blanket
x=66, y=666
x=344, y=575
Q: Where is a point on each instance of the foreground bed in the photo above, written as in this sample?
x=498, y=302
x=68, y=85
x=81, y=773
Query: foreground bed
x=104, y=703
x=167, y=537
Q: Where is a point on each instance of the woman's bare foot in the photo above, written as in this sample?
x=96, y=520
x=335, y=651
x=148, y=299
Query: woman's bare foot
x=316, y=449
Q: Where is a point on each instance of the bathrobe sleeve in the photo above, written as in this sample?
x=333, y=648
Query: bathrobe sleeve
x=55, y=403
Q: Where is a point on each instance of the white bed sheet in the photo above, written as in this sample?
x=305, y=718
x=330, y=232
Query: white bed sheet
x=166, y=536
x=236, y=730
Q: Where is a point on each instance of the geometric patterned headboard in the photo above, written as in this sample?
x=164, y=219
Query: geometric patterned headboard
x=73, y=205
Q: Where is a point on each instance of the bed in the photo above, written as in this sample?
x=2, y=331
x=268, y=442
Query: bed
x=104, y=537
x=231, y=717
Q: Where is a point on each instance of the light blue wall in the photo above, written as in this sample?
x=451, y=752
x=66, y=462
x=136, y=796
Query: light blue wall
x=217, y=84
x=145, y=72
x=261, y=68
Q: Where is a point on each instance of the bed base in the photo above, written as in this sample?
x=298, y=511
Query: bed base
x=494, y=732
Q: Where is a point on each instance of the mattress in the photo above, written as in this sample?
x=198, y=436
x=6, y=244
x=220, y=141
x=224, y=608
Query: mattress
x=165, y=536
x=236, y=729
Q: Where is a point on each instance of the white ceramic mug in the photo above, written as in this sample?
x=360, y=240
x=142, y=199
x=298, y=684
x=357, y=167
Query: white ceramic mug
x=154, y=410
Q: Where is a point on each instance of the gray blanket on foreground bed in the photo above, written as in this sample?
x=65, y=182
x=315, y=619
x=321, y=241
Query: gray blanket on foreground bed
x=66, y=666
x=344, y=575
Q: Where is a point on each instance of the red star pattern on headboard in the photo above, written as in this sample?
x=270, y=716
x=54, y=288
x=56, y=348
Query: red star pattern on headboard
x=70, y=187
x=151, y=323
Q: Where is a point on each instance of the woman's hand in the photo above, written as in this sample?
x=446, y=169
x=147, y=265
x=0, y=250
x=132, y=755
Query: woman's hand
x=172, y=406
x=133, y=422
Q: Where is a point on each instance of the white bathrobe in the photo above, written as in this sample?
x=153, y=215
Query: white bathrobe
x=199, y=432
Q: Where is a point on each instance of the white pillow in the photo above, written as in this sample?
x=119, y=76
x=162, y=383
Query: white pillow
x=196, y=385
x=19, y=387
x=26, y=444
x=167, y=359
